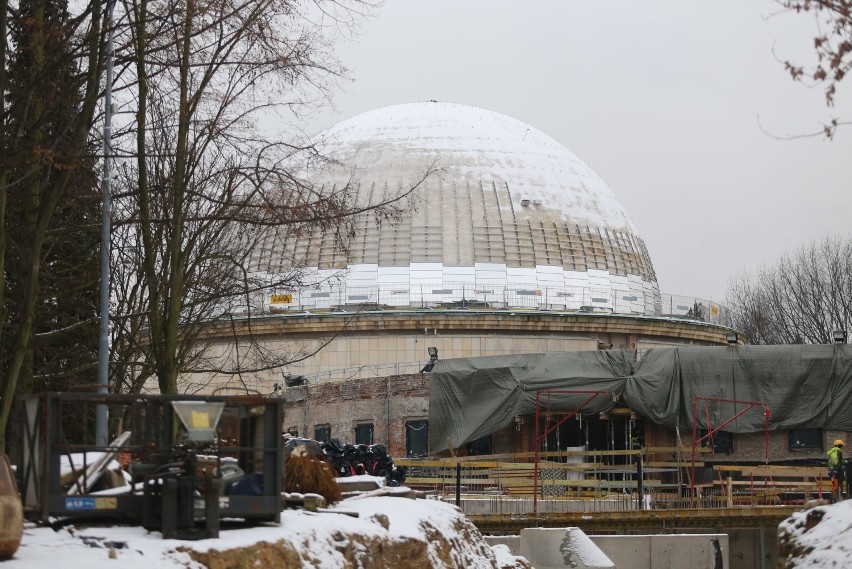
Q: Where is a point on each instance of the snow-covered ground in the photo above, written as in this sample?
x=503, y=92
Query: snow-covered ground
x=818, y=538
x=389, y=532
x=414, y=533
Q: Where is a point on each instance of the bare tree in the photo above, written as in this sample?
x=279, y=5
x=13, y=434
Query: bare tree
x=832, y=45
x=208, y=176
x=803, y=298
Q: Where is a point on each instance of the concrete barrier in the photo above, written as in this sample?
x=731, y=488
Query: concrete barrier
x=663, y=551
x=666, y=551
x=558, y=548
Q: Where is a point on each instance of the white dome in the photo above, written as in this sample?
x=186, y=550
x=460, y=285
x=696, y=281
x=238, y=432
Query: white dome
x=477, y=146
x=511, y=218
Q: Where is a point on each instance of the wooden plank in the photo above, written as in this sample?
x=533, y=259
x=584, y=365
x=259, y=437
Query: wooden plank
x=672, y=450
x=774, y=470
x=762, y=486
x=411, y=480
x=529, y=466
x=549, y=454
x=516, y=482
x=606, y=483
x=530, y=456
x=451, y=481
x=576, y=466
x=408, y=462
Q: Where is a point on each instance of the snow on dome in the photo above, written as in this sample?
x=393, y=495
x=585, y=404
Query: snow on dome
x=479, y=146
x=509, y=218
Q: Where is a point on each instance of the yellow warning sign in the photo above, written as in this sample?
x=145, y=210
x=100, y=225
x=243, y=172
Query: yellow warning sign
x=200, y=420
x=106, y=503
x=281, y=299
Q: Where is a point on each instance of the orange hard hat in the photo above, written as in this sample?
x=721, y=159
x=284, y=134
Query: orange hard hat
x=839, y=443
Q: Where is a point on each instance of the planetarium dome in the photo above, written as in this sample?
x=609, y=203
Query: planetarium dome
x=508, y=218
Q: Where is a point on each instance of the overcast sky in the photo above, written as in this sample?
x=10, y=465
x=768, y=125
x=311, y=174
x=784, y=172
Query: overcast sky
x=663, y=99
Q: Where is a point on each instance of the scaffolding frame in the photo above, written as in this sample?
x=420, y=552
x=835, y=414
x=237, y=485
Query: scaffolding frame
x=696, y=440
x=592, y=395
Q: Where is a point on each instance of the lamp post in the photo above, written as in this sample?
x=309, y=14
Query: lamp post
x=101, y=412
x=840, y=336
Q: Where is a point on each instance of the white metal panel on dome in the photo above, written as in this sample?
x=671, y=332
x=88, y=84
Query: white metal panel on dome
x=460, y=275
x=510, y=217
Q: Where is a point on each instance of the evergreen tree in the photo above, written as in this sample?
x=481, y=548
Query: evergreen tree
x=51, y=201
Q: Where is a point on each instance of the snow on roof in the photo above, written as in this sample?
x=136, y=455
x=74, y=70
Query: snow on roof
x=393, y=144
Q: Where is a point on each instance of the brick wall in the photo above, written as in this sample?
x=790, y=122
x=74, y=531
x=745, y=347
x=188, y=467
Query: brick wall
x=749, y=447
x=384, y=402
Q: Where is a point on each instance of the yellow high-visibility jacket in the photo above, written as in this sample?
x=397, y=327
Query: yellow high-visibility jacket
x=834, y=456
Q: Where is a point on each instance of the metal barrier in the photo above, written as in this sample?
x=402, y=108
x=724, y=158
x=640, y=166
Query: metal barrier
x=607, y=481
x=518, y=296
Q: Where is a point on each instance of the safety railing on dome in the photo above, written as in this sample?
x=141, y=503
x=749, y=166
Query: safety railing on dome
x=651, y=478
x=515, y=297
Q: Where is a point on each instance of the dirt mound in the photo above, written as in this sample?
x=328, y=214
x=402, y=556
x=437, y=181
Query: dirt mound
x=448, y=543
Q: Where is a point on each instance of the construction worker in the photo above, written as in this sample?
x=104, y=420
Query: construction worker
x=835, y=469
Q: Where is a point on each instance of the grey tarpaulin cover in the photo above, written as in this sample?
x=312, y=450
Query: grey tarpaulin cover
x=803, y=386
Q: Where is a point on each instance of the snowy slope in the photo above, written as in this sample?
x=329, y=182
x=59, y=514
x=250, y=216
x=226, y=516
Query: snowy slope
x=388, y=532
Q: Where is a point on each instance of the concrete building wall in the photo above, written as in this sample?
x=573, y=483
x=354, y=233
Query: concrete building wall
x=753, y=548
x=345, y=352
x=379, y=343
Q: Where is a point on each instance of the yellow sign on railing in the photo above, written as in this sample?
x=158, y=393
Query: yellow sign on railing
x=281, y=299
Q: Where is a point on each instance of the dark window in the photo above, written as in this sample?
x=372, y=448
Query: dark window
x=721, y=442
x=417, y=438
x=364, y=434
x=804, y=439
x=480, y=446
x=322, y=433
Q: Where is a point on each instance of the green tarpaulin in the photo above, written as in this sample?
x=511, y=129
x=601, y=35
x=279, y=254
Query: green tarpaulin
x=803, y=386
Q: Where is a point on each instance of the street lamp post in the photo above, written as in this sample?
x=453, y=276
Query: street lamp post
x=101, y=413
